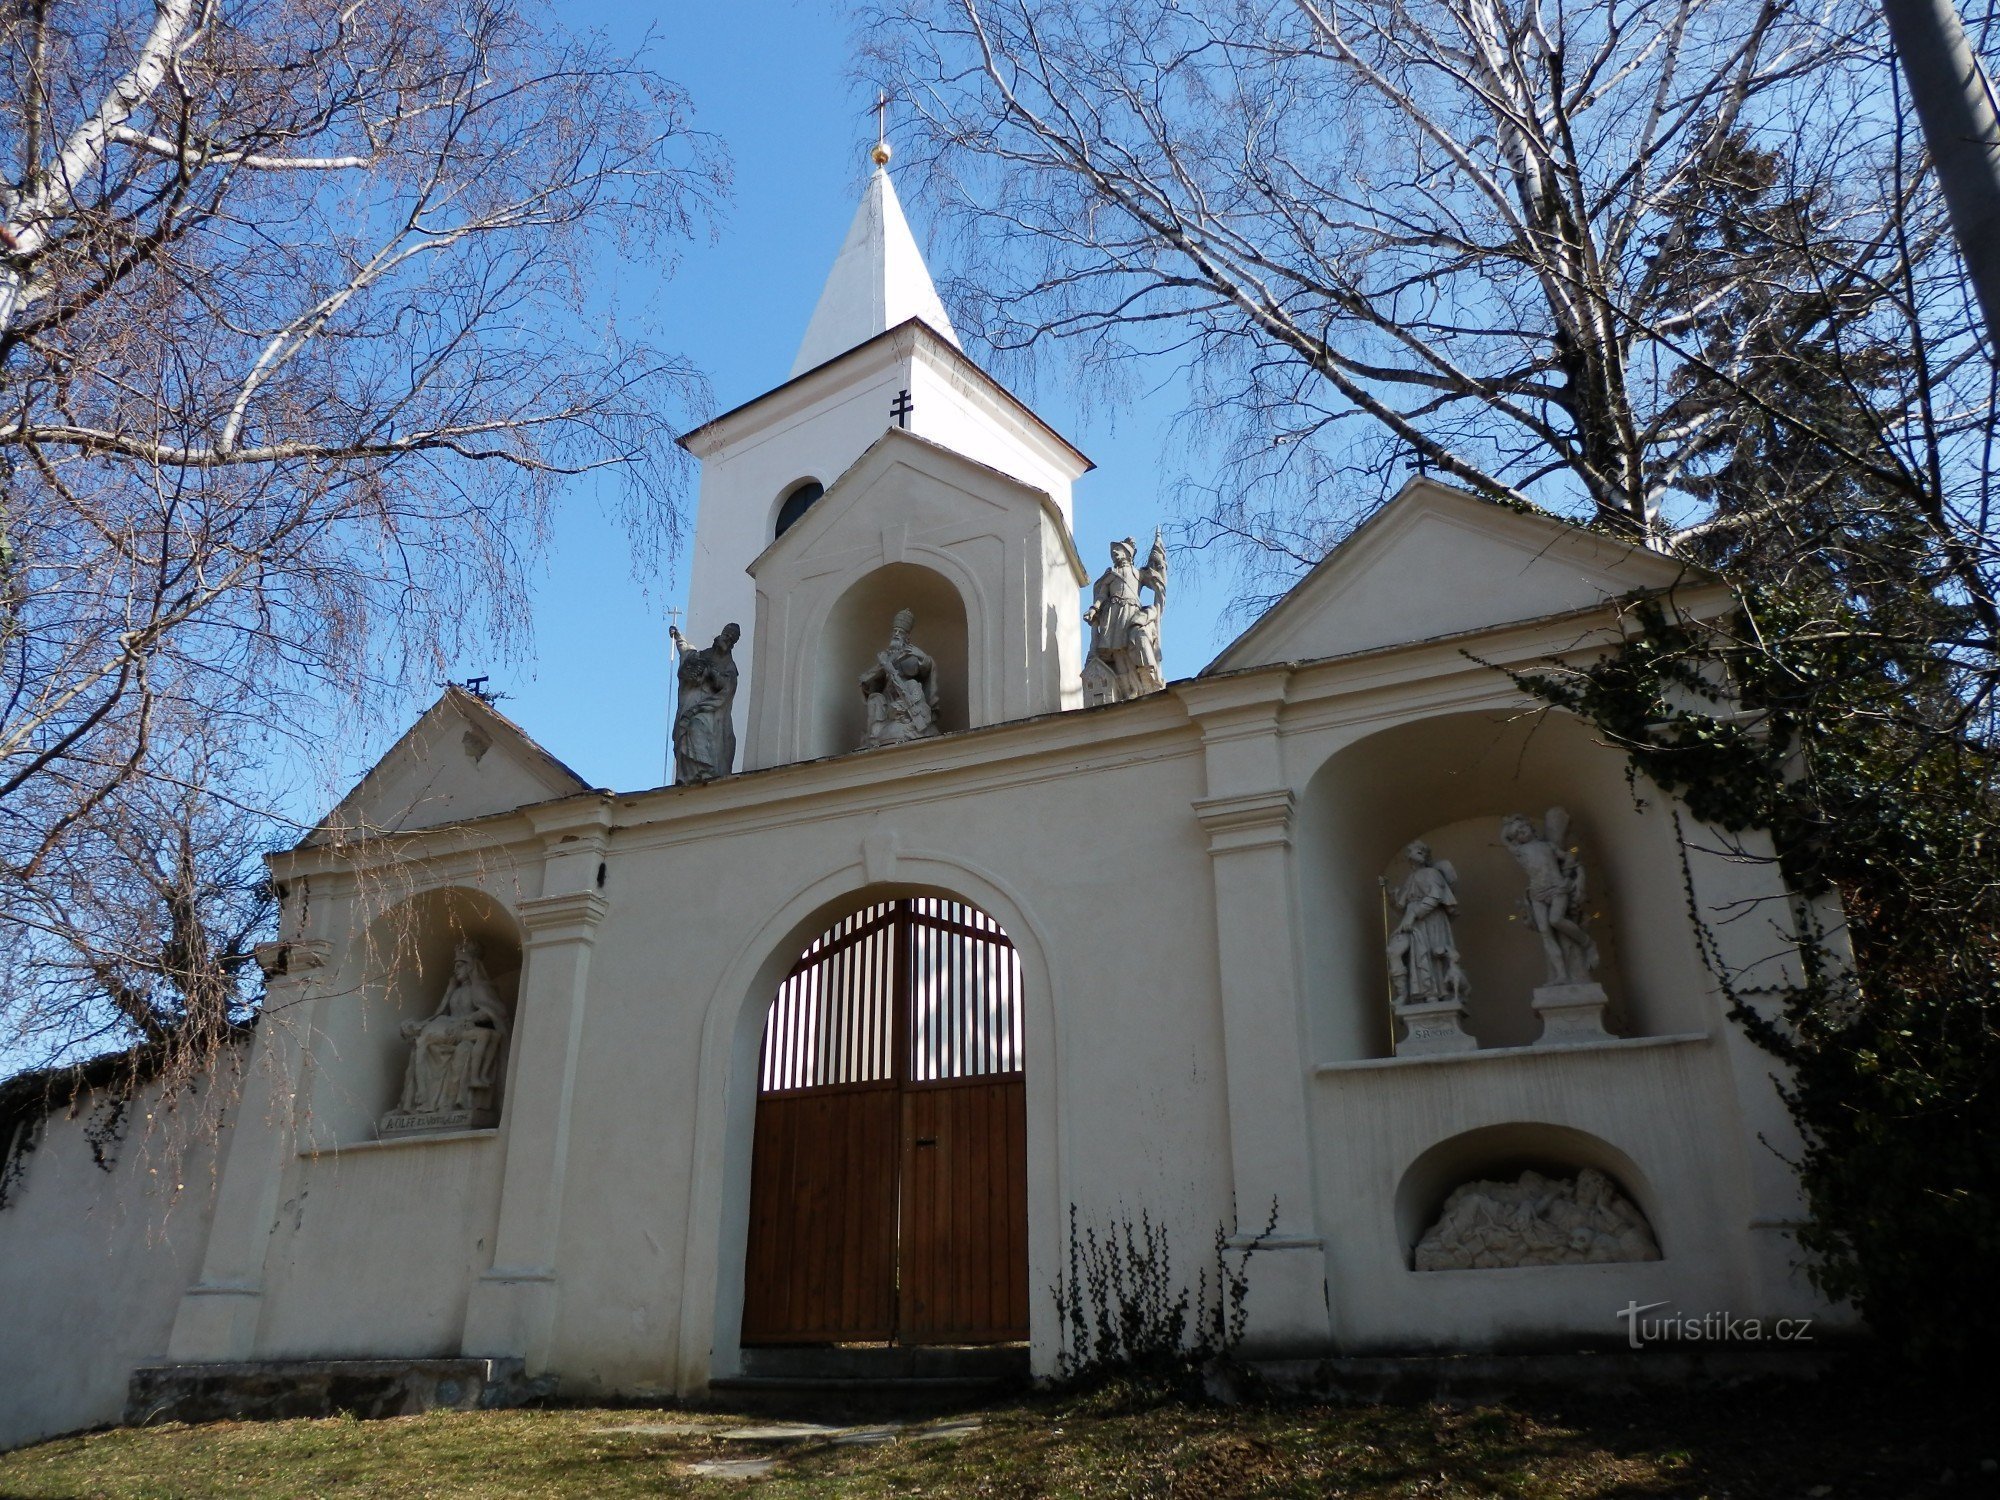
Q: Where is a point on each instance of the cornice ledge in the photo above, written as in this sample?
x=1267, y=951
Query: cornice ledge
x=584, y=816
x=571, y=915
x=1247, y=820
x=1236, y=703
x=292, y=956
x=415, y=845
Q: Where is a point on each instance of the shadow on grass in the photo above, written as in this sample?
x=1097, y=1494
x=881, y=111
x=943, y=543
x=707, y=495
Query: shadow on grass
x=1839, y=1440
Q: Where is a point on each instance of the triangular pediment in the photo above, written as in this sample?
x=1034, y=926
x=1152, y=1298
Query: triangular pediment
x=460, y=760
x=1436, y=561
x=902, y=488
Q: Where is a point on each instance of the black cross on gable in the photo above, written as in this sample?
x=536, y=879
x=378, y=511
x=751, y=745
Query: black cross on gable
x=901, y=408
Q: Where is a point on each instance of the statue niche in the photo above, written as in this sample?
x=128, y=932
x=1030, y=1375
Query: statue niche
x=900, y=689
x=452, y=1079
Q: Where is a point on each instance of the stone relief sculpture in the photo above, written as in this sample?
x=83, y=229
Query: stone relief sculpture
x=451, y=1080
x=1536, y=1221
x=1555, y=893
x=900, y=689
x=1124, y=657
x=1570, y=1002
x=704, y=727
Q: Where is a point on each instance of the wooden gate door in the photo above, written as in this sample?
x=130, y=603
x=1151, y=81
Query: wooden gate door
x=888, y=1192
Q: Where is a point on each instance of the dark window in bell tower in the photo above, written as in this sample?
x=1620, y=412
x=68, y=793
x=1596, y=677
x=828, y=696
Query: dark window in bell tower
x=797, y=503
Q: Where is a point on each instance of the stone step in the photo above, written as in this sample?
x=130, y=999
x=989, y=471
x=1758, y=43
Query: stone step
x=820, y=1362
x=848, y=1381
x=907, y=1398
x=283, y=1388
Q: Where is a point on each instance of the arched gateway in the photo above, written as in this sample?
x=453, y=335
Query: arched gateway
x=888, y=1194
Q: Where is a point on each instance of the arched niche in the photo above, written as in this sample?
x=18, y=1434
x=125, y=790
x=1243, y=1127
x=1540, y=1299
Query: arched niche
x=1496, y=939
x=858, y=626
x=404, y=963
x=1449, y=780
x=1501, y=1153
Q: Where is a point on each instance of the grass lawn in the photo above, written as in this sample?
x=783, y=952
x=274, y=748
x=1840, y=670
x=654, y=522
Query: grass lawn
x=1800, y=1443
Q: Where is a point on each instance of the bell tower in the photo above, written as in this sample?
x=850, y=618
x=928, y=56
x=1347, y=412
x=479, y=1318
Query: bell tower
x=888, y=463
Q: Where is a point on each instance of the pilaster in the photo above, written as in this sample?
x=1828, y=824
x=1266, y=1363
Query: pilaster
x=1753, y=934
x=512, y=1307
x=1248, y=817
x=218, y=1315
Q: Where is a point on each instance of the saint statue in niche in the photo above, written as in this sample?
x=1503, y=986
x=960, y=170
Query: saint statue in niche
x=1423, y=953
x=900, y=689
x=704, y=731
x=1555, y=893
x=1124, y=631
x=455, y=1054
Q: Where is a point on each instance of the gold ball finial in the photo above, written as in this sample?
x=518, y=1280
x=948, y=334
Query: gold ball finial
x=880, y=154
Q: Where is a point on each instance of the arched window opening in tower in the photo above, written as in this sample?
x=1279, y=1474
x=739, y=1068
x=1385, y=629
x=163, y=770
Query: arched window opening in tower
x=797, y=503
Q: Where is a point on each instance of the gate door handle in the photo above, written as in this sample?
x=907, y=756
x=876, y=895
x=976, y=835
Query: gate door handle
x=926, y=1140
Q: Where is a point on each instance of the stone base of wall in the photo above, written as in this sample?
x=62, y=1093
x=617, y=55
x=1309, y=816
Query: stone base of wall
x=275, y=1389
x=1498, y=1377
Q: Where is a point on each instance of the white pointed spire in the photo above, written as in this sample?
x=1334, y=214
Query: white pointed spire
x=878, y=280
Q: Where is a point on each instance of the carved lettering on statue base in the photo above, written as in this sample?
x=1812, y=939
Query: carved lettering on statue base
x=1435, y=1026
x=1572, y=1014
x=430, y=1122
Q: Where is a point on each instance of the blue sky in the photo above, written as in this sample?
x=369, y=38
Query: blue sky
x=771, y=77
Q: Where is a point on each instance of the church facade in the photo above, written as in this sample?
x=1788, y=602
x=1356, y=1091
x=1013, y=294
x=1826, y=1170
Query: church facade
x=838, y=1044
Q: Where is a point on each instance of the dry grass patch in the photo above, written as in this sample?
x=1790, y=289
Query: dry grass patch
x=1795, y=1444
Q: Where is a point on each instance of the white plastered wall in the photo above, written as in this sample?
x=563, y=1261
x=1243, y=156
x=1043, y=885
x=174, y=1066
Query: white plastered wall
x=329, y=1242
x=1128, y=851
x=1682, y=1111
x=93, y=1263
x=434, y=1201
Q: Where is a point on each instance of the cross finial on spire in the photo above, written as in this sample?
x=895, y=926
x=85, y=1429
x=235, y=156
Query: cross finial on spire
x=880, y=155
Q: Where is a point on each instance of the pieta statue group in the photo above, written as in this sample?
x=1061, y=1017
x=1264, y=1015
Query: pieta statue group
x=452, y=1078
x=1424, y=964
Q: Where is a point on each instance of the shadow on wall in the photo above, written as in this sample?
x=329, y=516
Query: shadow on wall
x=858, y=627
x=1450, y=780
x=403, y=966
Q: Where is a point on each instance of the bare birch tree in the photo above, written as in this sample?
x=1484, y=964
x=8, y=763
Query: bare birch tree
x=1499, y=240
x=1676, y=268
x=297, y=350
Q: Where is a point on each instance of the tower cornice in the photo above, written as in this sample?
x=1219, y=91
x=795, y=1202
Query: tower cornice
x=912, y=338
